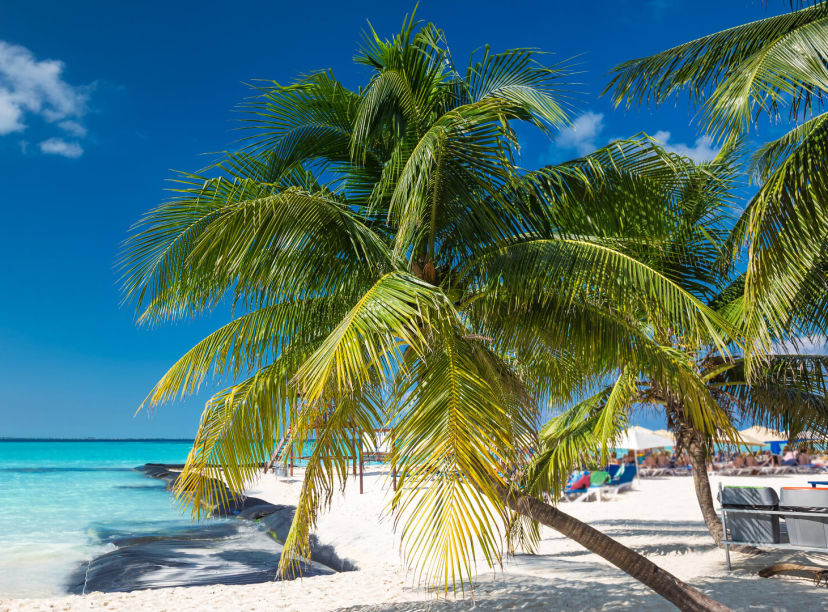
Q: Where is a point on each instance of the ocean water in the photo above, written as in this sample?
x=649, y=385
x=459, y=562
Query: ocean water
x=58, y=498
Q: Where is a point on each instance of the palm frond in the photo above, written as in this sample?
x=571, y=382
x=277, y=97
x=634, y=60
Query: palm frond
x=236, y=436
x=787, y=392
x=349, y=423
x=366, y=345
x=447, y=413
x=787, y=216
x=244, y=235
x=248, y=343
x=735, y=73
x=580, y=435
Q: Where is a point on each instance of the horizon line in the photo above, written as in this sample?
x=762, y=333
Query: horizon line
x=91, y=439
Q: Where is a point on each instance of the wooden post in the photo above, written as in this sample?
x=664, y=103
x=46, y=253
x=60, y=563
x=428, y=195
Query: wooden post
x=354, y=452
x=393, y=462
x=361, y=465
x=291, y=460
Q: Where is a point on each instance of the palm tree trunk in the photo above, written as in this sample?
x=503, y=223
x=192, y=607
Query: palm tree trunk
x=697, y=451
x=680, y=594
x=692, y=441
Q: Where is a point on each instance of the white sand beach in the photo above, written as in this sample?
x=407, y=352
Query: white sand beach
x=659, y=518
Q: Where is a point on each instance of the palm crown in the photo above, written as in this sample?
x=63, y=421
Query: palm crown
x=394, y=265
x=738, y=76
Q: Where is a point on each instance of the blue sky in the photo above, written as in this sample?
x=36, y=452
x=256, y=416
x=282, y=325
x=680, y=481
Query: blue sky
x=99, y=100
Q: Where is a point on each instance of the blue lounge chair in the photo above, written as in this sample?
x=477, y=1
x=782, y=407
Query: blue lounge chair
x=626, y=475
x=622, y=481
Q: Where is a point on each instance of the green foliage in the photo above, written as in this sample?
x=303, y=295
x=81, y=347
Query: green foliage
x=737, y=76
x=393, y=266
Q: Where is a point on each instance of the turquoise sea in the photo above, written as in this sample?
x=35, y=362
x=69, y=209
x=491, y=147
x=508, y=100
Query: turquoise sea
x=55, y=496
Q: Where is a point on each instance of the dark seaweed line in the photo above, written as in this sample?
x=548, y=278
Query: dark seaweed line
x=274, y=519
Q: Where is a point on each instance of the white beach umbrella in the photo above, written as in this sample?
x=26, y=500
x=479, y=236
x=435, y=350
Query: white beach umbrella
x=762, y=435
x=639, y=438
x=666, y=434
x=749, y=438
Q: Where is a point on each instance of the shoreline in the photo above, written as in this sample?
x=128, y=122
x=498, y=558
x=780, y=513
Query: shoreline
x=659, y=518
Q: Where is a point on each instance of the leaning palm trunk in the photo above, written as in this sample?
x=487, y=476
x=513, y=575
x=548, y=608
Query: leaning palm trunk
x=679, y=593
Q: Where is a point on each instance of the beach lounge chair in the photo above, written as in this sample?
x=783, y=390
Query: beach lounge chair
x=621, y=483
x=586, y=486
x=597, y=480
x=577, y=487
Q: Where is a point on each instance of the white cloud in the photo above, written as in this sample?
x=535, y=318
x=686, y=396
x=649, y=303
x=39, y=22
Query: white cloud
x=702, y=150
x=10, y=115
x=818, y=345
x=73, y=127
x=35, y=88
x=582, y=134
x=58, y=146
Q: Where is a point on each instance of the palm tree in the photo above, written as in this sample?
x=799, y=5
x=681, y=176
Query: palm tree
x=738, y=76
x=788, y=391
x=393, y=265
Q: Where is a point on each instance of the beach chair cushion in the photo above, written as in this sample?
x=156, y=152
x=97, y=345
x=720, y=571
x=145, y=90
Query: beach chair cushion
x=625, y=476
x=598, y=478
x=580, y=483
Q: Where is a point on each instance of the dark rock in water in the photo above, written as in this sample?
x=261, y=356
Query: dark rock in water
x=236, y=505
x=138, y=533
x=162, y=472
x=146, y=487
x=233, y=506
x=155, y=470
x=221, y=553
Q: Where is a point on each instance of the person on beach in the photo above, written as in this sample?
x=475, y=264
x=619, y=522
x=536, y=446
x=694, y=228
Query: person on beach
x=789, y=456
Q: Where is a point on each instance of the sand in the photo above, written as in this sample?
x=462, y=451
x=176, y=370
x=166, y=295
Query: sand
x=659, y=518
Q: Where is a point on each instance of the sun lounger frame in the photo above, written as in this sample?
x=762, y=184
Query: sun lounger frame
x=781, y=545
